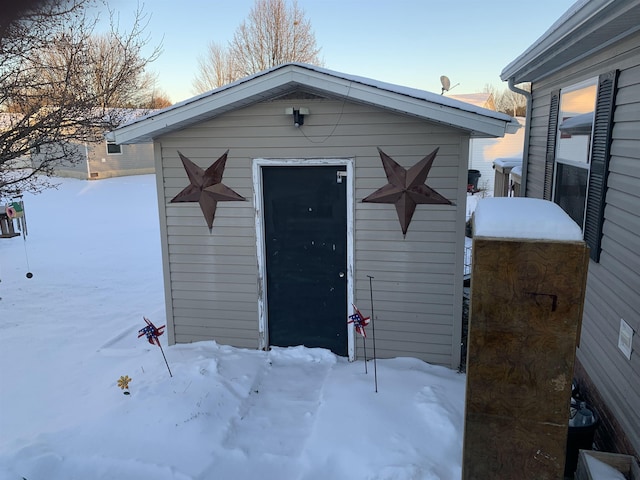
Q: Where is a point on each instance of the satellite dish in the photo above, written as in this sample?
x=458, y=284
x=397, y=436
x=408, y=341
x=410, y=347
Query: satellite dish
x=446, y=83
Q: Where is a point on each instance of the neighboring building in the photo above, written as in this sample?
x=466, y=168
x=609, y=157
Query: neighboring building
x=582, y=150
x=103, y=158
x=485, y=151
x=7, y=121
x=304, y=184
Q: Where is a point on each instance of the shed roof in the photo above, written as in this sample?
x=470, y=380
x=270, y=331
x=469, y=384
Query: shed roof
x=290, y=77
x=587, y=27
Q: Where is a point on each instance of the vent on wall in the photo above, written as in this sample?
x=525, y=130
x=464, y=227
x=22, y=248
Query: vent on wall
x=94, y=174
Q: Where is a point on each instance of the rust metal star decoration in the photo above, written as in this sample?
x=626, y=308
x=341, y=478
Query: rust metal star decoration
x=206, y=187
x=406, y=188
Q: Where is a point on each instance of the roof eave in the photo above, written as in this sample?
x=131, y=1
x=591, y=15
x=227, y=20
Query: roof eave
x=580, y=32
x=280, y=80
x=201, y=108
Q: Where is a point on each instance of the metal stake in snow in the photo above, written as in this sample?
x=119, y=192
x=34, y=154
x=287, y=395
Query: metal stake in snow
x=373, y=328
x=364, y=347
x=152, y=333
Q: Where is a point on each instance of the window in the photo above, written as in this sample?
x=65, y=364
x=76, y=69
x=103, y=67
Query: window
x=577, y=158
x=113, y=148
x=573, y=147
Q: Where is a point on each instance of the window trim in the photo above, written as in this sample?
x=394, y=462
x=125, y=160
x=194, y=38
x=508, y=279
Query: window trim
x=584, y=164
x=593, y=81
x=599, y=156
x=111, y=142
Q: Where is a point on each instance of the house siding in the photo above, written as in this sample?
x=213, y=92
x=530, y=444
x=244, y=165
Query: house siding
x=66, y=169
x=94, y=162
x=417, y=288
x=134, y=160
x=614, y=282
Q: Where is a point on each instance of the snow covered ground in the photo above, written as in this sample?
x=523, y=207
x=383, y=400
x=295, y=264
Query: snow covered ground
x=69, y=333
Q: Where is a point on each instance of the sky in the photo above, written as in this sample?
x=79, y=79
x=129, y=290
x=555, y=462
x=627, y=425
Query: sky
x=406, y=42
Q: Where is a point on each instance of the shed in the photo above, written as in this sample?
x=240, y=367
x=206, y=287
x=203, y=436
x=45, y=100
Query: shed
x=285, y=260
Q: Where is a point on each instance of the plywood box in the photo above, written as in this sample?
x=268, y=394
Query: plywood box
x=527, y=298
x=625, y=464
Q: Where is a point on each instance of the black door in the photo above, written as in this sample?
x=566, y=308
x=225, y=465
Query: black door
x=305, y=217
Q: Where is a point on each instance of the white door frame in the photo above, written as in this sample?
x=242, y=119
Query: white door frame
x=258, y=202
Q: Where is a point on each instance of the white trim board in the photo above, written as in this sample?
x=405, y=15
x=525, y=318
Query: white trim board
x=258, y=163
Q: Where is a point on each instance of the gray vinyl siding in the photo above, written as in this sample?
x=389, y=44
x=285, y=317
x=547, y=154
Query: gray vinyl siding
x=613, y=285
x=418, y=280
x=134, y=160
x=66, y=169
x=94, y=162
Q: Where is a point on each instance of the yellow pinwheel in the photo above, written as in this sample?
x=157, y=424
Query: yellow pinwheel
x=123, y=382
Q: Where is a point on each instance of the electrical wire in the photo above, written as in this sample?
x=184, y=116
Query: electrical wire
x=344, y=101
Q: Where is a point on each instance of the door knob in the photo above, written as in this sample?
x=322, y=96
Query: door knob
x=341, y=274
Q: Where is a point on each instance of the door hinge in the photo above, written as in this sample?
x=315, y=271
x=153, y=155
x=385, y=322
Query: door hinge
x=341, y=174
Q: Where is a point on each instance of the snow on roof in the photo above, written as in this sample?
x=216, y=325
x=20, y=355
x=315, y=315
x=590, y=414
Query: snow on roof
x=483, y=99
x=278, y=80
x=450, y=101
x=508, y=162
x=523, y=218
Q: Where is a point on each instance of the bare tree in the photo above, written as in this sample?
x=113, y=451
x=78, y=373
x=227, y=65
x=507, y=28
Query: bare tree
x=158, y=99
x=59, y=84
x=514, y=103
x=215, y=69
x=508, y=101
x=274, y=33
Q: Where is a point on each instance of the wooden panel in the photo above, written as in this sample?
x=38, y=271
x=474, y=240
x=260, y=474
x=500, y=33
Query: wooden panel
x=500, y=457
x=524, y=325
x=625, y=464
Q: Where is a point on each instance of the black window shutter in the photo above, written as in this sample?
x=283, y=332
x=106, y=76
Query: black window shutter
x=602, y=128
x=550, y=157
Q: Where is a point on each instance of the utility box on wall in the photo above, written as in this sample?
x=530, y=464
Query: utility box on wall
x=529, y=269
